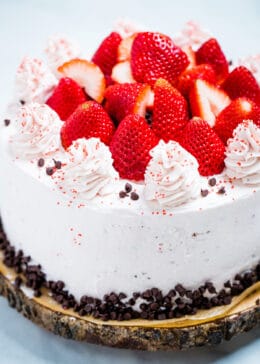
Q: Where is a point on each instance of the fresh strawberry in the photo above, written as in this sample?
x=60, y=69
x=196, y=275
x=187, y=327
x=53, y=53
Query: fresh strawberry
x=210, y=52
x=154, y=55
x=127, y=98
x=203, y=143
x=106, y=54
x=124, y=49
x=191, y=55
x=122, y=73
x=239, y=109
x=66, y=97
x=189, y=76
x=130, y=147
x=206, y=101
x=170, y=111
x=241, y=82
x=88, y=120
x=87, y=75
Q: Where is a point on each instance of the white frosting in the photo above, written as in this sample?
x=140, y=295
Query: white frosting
x=172, y=176
x=59, y=50
x=37, y=132
x=126, y=27
x=192, y=35
x=243, y=154
x=34, y=81
x=89, y=171
x=253, y=64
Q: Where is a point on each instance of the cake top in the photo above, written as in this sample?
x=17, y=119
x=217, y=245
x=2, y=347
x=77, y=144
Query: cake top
x=156, y=120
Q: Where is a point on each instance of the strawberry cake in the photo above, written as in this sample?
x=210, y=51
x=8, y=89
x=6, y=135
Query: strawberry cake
x=130, y=181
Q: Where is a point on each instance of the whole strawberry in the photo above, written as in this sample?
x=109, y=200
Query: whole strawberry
x=106, y=54
x=211, y=52
x=127, y=98
x=66, y=97
x=170, y=111
x=203, y=143
x=154, y=55
x=238, y=110
x=88, y=120
x=241, y=82
x=130, y=147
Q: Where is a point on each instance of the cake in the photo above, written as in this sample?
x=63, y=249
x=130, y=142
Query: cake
x=130, y=183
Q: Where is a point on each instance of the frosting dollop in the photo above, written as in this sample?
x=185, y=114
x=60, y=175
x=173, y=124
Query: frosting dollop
x=34, y=81
x=192, y=35
x=171, y=177
x=127, y=28
x=89, y=170
x=243, y=154
x=59, y=50
x=37, y=132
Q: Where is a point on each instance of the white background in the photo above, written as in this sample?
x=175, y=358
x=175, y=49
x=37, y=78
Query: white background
x=24, y=28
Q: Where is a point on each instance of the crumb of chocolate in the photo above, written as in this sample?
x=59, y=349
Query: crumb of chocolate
x=221, y=191
x=134, y=196
x=128, y=187
x=41, y=162
x=49, y=171
x=22, y=102
x=212, y=181
x=7, y=122
x=122, y=194
x=57, y=164
x=230, y=62
x=204, y=193
x=257, y=302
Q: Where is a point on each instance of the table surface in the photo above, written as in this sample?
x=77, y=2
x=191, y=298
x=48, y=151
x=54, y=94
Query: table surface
x=24, y=28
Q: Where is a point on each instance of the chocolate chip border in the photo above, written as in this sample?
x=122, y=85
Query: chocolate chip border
x=178, y=302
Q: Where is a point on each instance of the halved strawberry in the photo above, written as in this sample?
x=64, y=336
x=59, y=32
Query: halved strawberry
x=87, y=75
x=206, y=101
x=211, y=52
x=189, y=76
x=241, y=82
x=239, y=109
x=124, y=49
x=130, y=147
x=122, y=73
x=203, y=143
x=191, y=55
x=170, y=111
x=66, y=97
x=88, y=120
x=154, y=55
x=127, y=98
x=106, y=54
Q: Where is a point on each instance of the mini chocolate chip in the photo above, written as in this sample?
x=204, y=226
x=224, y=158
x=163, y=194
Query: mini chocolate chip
x=49, y=171
x=7, y=122
x=57, y=164
x=22, y=102
x=17, y=282
x=230, y=62
x=134, y=196
x=128, y=187
x=204, y=193
x=122, y=194
x=212, y=181
x=122, y=295
x=221, y=191
x=257, y=302
x=41, y=162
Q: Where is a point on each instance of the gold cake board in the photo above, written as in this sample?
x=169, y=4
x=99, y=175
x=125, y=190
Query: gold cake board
x=207, y=327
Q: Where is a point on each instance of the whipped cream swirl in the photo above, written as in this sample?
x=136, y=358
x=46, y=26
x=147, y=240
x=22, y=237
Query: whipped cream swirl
x=89, y=171
x=34, y=81
x=171, y=177
x=192, y=35
x=37, y=132
x=59, y=50
x=243, y=154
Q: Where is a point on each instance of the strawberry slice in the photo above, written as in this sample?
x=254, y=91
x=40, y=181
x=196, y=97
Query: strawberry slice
x=170, y=111
x=154, y=55
x=87, y=75
x=239, y=109
x=210, y=52
x=130, y=147
x=88, y=120
x=66, y=97
x=122, y=73
x=191, y=55
x=206, y=101
x=106, y=55
x=241, y=82
x=203, y=143
x=124, y=49
x=127, y=98
x=189, y=76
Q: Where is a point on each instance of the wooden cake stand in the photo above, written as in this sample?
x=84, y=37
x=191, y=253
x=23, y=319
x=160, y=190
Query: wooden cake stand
x=207, y=327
